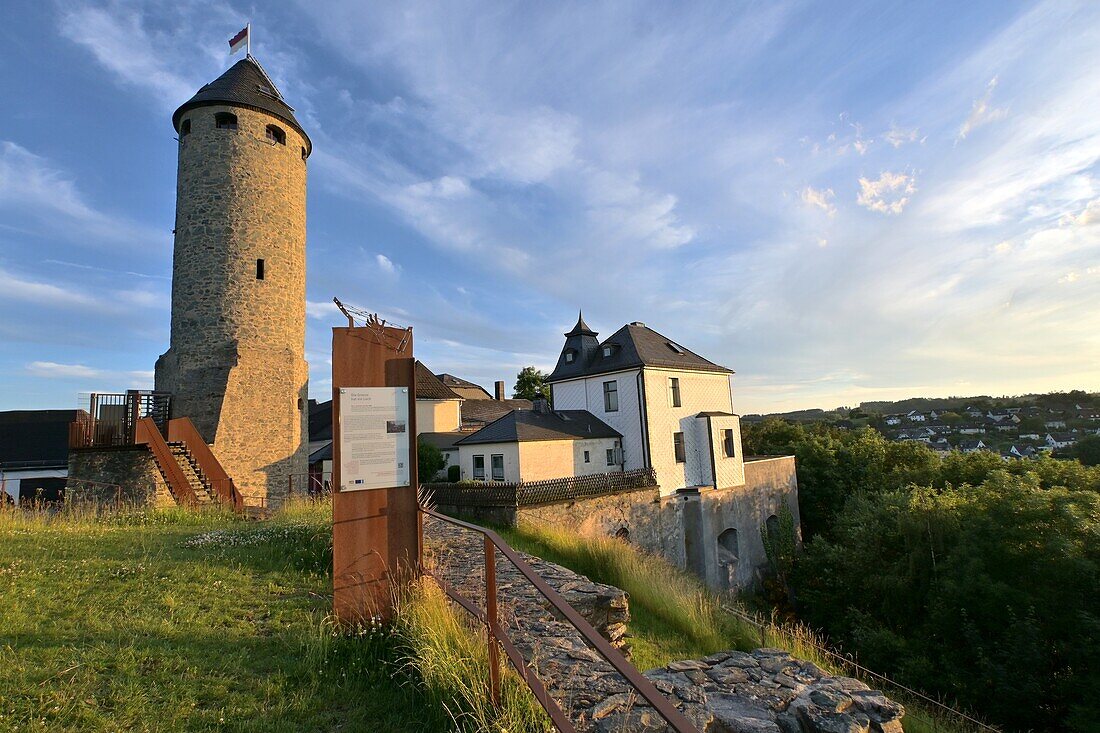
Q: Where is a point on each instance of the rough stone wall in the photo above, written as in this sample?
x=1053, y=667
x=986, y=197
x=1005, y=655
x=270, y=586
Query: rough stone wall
x=684, y=528
x=236, y=365
x=133, y=468
x=764, y=691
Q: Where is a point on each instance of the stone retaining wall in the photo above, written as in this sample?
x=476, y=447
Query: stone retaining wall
x=133, y=468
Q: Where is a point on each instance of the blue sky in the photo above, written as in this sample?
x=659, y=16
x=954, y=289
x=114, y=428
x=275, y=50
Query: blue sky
x=840, y=201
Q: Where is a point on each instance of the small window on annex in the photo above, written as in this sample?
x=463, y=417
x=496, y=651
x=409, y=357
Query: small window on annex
x=611, y=456
x=225, y=121
x=185, y=128
x=276, y=135
x=674, y=391
x=611, y=396
x=479, y=467
x=727, y=443
x=678, y=447
x=587, y=457
x=497, y=462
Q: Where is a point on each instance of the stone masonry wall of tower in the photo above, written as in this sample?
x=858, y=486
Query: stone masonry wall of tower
x=236, y=365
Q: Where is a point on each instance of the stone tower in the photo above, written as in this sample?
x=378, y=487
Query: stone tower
x=236, y=362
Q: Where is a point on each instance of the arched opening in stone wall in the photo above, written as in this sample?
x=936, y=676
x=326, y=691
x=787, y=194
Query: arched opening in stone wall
x=276, y=135
x=622, y=534
x=728, y=549
x=225, y=121
x=773, y=526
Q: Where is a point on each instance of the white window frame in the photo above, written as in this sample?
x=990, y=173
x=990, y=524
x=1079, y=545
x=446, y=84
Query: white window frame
x=608, y=393
x=611, y=456
x=674, y=392
x=474, y=468
x=493, y=465
x=683, y=448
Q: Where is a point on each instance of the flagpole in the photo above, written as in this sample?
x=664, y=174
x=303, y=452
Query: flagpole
x=248, y=39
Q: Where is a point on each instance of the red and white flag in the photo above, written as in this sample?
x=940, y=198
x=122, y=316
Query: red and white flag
x=239, y=41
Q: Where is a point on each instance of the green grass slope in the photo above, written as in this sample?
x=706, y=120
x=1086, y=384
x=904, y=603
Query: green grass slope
x=174, y=621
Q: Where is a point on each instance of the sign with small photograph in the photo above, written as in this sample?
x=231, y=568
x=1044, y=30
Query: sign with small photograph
x=374, y=437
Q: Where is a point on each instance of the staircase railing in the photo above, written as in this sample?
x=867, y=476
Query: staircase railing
x=147, y=433
x=182, y=430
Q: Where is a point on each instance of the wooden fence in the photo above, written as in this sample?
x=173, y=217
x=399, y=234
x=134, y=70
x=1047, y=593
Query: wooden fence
x=532, y=493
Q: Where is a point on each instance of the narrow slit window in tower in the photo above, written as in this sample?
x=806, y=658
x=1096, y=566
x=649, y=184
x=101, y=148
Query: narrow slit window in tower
x=185, y=128
x=276, y=135
x=259, y=269
x=225, y=121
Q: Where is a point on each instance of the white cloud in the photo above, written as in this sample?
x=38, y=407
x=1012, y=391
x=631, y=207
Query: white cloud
x=323, y=310
x=136, y=379
x=121, y=44
x=1088, y=216
x=53, y=370
x=982, y=111
x=889, y=194
x=385, y=264
x=898, y=136
x=444, y=187
x=820, y=198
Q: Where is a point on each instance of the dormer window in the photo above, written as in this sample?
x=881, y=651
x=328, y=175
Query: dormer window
x=225, y=121
x=276, y=135
x=570, y=356
x=609, y=350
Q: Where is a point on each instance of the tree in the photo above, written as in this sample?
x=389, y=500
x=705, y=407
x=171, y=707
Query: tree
x=530, y=383
x=429, y=461
x=1087, y=450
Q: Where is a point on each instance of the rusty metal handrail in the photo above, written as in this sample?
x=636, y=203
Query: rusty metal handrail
x=147, y=433
x=489, y=617
x=182, y=430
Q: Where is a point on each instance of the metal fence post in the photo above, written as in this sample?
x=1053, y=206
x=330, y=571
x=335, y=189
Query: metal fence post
x=492, y=621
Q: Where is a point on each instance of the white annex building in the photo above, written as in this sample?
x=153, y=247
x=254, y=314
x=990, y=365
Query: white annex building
x=673, y=408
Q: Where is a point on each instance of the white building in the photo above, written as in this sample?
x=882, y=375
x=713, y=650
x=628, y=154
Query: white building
x=540, y=444
x=673, y=408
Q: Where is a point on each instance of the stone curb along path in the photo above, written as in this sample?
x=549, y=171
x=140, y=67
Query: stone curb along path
x=765, y=691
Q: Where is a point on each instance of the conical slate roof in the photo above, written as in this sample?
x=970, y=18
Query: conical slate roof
x=581, y=329
x=244, y=84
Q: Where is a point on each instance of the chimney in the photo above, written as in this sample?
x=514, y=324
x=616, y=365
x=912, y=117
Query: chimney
x=539, y=404
x=498, y=389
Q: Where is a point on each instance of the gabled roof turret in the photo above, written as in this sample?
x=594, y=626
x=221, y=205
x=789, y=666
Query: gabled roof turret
x=244, y=84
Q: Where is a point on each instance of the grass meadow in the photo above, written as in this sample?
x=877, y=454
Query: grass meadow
x=171, y=620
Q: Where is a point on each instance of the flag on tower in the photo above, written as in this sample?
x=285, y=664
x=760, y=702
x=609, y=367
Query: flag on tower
x=239, y=41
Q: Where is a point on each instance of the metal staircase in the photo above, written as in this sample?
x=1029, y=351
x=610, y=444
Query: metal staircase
x=200, y=484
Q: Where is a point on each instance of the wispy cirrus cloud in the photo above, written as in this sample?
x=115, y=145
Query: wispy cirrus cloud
x=982, y=112
x=46, y=197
